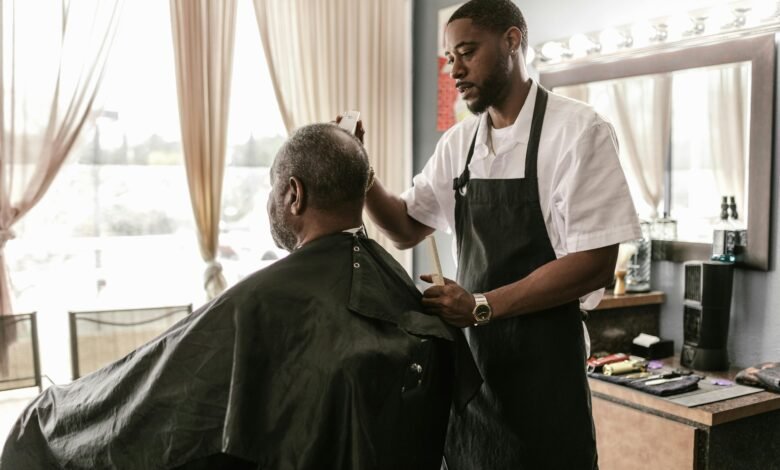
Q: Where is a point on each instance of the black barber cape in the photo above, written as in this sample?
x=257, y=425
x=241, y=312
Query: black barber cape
x=320, y=361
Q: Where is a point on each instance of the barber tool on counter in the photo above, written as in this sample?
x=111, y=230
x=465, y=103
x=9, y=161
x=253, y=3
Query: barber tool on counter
x=596, y=364
x=624, y=367
x=638, y=374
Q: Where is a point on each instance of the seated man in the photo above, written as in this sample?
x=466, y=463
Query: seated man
x=320, y=361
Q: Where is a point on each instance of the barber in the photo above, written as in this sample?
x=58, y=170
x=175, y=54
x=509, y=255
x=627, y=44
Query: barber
x=533, y=189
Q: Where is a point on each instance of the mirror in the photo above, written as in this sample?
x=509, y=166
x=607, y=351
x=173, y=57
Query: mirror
x=683, y=142
x=694, y=123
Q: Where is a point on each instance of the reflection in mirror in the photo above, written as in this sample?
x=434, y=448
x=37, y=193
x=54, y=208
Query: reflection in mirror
x=683, y=140
x=712, y=125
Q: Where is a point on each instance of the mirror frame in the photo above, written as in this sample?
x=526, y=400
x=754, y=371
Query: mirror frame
x=759, y=50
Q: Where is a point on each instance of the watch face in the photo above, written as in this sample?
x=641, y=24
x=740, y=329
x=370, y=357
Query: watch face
x=482, y=312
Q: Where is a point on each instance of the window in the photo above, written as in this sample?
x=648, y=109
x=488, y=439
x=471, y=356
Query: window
x=116, y=230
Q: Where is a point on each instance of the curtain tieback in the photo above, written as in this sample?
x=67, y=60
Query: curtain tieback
x=5, y=235
x=213, y=270
x=213, y=281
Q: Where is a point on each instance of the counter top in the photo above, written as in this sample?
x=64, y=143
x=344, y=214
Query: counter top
x=611, y=300
x=710, y=414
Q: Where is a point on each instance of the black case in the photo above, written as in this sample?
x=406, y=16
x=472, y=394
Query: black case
x=659, y=350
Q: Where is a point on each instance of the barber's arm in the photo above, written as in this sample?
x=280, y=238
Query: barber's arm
x=555, y=283
x=388, y=211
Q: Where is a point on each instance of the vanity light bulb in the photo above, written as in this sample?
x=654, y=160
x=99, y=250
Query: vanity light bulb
x=721, y=17
x=580, y=45
x=643, y=34
x=611, y=40
x=680, y=26
x=763, y=10
x=740, y=17
x=553, y=50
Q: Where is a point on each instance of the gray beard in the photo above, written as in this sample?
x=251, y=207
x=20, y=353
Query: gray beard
x=283, y=237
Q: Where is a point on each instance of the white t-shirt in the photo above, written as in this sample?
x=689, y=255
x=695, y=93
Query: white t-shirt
x=582, y=189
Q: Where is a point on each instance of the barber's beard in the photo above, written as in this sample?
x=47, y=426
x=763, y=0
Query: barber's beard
x=494, y=89
x=281, y=233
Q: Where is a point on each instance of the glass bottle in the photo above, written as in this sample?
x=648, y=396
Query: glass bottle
x=638, y=273
x=667, y=228
x=739, y=227
x=724, y=236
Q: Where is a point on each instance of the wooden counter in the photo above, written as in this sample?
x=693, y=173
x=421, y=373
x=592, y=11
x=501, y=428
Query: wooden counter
x=636, y=430
x=611, y=300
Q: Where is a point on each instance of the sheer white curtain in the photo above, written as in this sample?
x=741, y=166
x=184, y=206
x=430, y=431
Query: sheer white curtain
x=203, y=37
x=577, y=92
x=641, y=113
x=51, y=66
x=328, y=56
x=729, y=102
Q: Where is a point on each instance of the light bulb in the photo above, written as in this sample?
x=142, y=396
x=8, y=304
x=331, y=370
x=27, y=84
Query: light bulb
x=611, y=40
x=679, y=26
x=553, y=50
x=643, y=34
x=721, y=17
x=580, y=45
x=762, y=10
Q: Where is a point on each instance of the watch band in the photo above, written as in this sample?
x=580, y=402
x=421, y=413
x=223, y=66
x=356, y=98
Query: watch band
x=482, y=312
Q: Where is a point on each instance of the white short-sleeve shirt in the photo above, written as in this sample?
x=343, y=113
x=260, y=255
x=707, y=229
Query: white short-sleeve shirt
x=582, y=189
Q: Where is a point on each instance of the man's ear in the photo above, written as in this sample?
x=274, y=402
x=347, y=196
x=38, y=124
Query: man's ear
x=513, y=38
x=296, y=195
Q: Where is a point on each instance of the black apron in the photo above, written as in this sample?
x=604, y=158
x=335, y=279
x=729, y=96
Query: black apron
x=533, y=410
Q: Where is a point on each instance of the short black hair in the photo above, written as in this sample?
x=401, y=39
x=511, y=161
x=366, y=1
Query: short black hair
x=332, y=169
x=494, y=15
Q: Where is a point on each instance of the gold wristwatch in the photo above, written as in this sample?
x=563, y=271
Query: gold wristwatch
x=482, y=312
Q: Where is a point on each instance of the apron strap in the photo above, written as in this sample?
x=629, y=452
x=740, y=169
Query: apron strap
x=536, y=132
x=463, y=179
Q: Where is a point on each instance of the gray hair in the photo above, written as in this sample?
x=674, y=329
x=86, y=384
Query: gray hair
x=333, y=170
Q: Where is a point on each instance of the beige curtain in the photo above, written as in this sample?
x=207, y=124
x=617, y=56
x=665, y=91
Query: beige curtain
x=728, y=100
x=203, y=36
x=642, y=115
x=329, y=56
x=50, y=70
x=576, y=92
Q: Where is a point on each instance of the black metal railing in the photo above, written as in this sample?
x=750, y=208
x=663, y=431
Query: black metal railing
x=20, y=365
x=100, y=337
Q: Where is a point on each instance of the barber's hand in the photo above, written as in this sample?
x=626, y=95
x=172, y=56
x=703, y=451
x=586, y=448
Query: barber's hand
x=360, y=132
x=451, y=302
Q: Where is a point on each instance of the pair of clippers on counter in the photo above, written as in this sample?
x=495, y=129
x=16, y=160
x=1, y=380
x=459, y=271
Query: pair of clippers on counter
x=597, y=364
